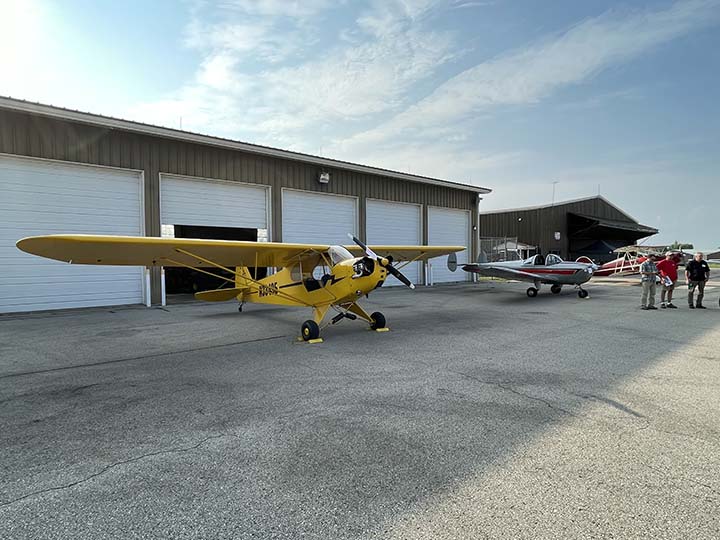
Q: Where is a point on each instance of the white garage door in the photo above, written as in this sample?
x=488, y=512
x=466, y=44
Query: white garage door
x=318, y=218
x=397, y=224
x=212, y=203
x=448, y=227
x=48, y=197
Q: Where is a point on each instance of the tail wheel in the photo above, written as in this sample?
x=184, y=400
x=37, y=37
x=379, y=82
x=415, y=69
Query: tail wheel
x=582, y=293
x=378, y=320
x=555, y=289
x=531, y=292
x=310, y=330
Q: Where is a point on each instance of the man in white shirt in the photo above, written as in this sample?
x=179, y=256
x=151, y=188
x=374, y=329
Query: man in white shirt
x=648, y=273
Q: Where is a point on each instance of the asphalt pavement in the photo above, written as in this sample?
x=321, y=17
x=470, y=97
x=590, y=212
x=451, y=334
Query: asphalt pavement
x=481, y=414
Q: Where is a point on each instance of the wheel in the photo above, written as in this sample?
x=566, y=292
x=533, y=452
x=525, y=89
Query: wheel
x=582, y=293
x=532, y=292
x=378, y=320
x=555, y=289
x=310, y=330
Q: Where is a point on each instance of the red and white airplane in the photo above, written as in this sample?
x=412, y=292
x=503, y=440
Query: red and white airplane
x=630, y=260
x=538, y=269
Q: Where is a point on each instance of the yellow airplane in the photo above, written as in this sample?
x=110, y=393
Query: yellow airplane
x=310, y=275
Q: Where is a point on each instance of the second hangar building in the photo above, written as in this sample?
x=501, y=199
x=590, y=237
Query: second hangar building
x=591, y=227
x=65, y=171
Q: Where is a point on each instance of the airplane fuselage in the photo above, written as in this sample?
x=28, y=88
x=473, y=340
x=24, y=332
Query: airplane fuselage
x=343, y=284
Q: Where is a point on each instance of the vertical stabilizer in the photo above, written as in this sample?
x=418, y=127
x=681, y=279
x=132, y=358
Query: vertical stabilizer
x=243, y=278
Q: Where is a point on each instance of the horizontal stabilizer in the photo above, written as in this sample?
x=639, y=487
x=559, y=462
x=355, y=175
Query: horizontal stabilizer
x=220, y=295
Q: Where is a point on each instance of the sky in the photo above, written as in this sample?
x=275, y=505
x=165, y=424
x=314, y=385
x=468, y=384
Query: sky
x=620, y=98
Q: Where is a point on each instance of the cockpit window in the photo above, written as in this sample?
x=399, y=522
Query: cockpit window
x=537, y=260
x=552, y=259
x=339, y=254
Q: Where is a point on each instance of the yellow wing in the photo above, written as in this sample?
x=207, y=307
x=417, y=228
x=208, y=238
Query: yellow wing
x=153, y=251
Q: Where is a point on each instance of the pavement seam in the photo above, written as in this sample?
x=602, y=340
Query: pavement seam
x=143, y=357
x=508, y=388
x=113, y=465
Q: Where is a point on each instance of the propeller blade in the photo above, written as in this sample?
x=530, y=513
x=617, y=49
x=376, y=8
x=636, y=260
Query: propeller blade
x=395, y=272
x=369, y=252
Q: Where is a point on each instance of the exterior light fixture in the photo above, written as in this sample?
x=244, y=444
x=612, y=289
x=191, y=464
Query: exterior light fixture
x=324, y=177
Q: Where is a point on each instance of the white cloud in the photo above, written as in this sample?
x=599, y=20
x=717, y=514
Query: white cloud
x=531, y=74
x=368, y=72
x=281, y=8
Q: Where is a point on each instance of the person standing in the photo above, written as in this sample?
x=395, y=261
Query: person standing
x=668, y=276
x=697, y=272
x=648, y=273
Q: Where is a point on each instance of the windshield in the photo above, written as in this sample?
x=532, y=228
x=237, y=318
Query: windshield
x=339, y=254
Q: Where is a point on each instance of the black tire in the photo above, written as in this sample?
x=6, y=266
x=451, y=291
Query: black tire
x=378, y=320
x=555, y=289
x=582, y=293
x=310, y=330
x=531, y=292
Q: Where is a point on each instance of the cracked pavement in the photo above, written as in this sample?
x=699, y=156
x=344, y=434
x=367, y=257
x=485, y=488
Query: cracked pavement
x=482, y=414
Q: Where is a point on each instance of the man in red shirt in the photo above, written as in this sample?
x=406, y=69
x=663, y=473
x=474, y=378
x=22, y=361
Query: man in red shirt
x=668, y=277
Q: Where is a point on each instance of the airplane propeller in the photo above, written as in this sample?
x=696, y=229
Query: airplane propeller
x=382, y=261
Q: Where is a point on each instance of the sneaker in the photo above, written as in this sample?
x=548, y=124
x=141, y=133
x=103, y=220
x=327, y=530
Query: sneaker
x=700, y=306
x=672, y=306
x=643, y=308
x=652, y=307
x=663, y=306
x=691, y=306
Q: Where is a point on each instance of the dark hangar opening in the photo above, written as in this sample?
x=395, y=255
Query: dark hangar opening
x=187, y=281
x=597, y=238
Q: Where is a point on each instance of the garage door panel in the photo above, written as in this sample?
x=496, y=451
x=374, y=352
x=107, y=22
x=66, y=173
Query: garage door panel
x=193, y=201
x=42, y=197
x=318, y=218
x=396, y=224
x=448, y=227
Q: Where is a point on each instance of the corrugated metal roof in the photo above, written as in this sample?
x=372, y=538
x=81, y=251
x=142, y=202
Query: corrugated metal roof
x=615, y=224
x=557, y=204
x=169, y=133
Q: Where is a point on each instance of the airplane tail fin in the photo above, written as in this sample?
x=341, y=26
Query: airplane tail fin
x=584, y=259
x=242, y=276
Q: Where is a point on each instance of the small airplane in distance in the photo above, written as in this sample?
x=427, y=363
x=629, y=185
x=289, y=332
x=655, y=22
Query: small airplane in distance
x=310, y=275
x=630, y=259
x=538, y=269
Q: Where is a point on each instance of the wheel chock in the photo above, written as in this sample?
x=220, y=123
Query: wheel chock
x=386, y=329
x=299, y=339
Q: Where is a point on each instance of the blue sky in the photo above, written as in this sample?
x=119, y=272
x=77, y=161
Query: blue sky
x=619, y=97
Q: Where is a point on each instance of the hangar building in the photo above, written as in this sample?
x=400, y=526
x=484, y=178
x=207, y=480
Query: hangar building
x=591, y=226
x=65, y=171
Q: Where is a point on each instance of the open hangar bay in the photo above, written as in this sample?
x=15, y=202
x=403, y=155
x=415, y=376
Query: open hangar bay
x=482, y=414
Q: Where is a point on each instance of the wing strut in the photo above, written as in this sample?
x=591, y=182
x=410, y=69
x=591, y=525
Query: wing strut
x=233, y=272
